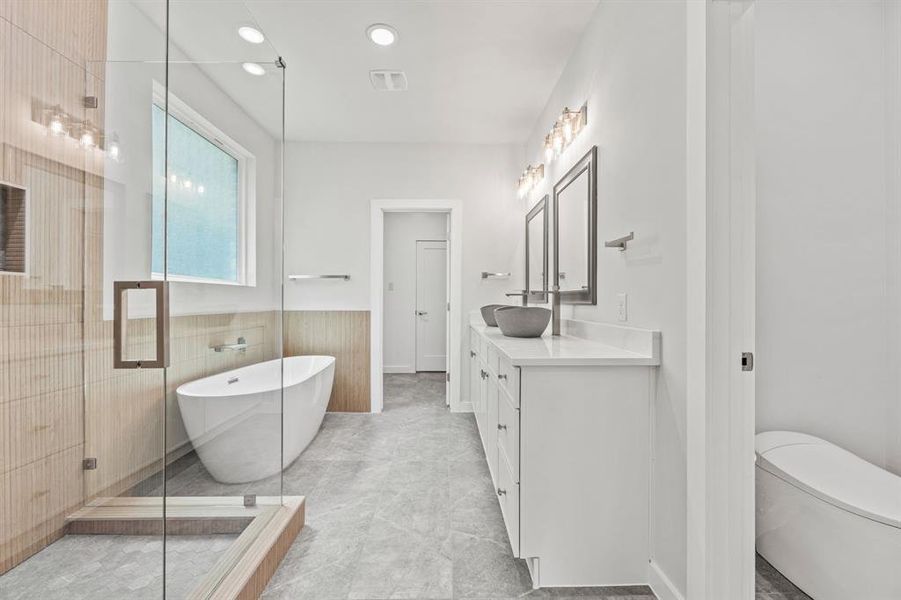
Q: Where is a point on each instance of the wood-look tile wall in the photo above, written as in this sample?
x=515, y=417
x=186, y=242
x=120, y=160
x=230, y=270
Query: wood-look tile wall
x=45, y=50
x=125, y=419
x=344, y=335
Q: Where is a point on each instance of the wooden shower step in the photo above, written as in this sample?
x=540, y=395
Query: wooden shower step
x=266, y=531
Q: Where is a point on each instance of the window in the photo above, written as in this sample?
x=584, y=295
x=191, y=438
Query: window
x=210, y=197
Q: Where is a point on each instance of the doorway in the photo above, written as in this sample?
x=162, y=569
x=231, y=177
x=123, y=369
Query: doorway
x=415, y=268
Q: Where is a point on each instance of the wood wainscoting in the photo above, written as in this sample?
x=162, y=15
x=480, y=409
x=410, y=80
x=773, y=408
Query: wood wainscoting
x=343, y=334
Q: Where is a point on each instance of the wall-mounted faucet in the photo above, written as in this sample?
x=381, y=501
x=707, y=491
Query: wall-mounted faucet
x=241, y=346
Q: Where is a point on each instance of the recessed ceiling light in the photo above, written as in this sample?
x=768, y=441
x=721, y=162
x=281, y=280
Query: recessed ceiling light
x=251, y=34
x=381, y=34
x=254, y=69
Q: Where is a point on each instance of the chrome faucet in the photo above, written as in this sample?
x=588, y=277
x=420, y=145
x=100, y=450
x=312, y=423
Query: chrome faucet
x=241, y=346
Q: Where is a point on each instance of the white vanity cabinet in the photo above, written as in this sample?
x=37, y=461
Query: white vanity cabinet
x=565, y=424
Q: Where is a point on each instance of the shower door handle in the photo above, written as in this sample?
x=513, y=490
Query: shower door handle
x=120, y=319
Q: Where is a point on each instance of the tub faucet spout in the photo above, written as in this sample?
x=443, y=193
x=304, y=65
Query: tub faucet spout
x=241, y=346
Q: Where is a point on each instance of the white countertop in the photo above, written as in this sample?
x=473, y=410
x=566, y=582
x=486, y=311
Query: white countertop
x=568, y=350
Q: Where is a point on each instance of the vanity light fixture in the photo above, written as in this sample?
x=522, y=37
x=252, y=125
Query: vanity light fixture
x=531, y=177
x=381, y=34
x=565, y=129
x=254, y=68
x=251, y=34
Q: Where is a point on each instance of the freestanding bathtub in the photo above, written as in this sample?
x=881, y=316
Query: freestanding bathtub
x=233, y=419
x=827, y=519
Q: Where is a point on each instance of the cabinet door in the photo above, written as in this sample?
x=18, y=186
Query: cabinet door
x=491, y=399
x=475, y=386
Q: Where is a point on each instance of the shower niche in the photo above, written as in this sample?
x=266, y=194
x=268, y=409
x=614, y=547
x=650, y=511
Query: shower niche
x=13, y=228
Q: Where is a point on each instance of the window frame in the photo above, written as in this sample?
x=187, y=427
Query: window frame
x=246, y=211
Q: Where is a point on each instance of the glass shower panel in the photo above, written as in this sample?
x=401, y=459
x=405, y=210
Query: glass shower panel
x=81, y=440
x=217, y=227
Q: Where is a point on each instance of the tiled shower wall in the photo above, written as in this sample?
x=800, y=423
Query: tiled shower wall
x=45, y=52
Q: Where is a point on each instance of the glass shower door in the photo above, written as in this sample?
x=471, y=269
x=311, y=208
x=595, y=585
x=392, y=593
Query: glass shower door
x=217, y=242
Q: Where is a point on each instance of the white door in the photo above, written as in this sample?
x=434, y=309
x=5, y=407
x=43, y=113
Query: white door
x=431, y=306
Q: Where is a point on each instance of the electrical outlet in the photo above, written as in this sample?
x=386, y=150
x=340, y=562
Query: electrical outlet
x=622, y=310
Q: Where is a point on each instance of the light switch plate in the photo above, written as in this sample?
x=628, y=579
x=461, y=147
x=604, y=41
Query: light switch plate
x=622, y=308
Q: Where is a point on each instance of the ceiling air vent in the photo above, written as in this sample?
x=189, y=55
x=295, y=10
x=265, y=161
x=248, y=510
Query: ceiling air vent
x=388, y=81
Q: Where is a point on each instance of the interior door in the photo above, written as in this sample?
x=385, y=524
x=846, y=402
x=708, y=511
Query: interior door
x=431, y=305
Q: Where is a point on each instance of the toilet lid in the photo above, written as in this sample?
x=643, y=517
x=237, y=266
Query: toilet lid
x=832, y=474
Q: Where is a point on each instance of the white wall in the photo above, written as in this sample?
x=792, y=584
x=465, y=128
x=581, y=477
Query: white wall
x=630, y=68
x=824, y=364
x=402, y=230
x=127, y=216
x=329, y=188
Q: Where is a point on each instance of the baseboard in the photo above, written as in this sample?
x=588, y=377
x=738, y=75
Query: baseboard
x=398, y=369
x=661, y=585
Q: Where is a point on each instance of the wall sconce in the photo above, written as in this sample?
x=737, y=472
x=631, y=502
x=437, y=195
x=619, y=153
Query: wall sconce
x=531, y=177
x=64, y=125
x=567, y=126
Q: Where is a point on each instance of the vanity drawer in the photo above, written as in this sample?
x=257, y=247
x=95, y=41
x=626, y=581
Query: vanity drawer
x=508, y=432
x=508, y=377
x=508, y=497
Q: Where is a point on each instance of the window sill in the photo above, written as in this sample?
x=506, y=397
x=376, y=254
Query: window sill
x=203, y=280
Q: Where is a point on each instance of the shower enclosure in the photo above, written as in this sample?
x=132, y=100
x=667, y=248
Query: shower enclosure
x=140, y=249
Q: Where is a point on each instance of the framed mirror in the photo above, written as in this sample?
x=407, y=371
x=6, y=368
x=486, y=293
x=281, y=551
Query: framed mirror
x=576, y=232
x=537, y=252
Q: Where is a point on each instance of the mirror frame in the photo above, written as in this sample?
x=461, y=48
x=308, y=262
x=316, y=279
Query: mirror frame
x=588, y=163
x=540, y=207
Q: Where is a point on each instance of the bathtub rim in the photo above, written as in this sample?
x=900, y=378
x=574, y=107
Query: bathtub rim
x=182, y=390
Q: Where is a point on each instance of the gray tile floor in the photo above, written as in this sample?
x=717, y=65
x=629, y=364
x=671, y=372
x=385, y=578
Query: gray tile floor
x=399, y=505
x=772, y=585
x=113, y=567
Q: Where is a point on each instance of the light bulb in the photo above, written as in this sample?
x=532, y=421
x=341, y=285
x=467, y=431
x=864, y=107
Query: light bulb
x=173, y=178
x=381, y=34
x=548, y=148
x=568, y=130
x=188, y=184
x=87, y=139
x=57, y=127
x=200, y=189
x=254, y=68
x=113, y=149
x=251, y=34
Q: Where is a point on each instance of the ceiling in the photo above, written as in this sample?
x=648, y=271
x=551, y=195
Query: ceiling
x=479, y=71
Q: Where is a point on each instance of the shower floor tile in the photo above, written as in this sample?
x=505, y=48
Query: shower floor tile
x=112, y=567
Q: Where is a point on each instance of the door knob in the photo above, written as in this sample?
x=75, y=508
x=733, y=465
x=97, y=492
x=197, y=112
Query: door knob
x=421, y=312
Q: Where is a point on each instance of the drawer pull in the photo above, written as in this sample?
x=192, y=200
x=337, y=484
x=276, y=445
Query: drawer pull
x=504, y=377
x=501, y=492
x=484, y=374
x=472, y=354
x=501, y=427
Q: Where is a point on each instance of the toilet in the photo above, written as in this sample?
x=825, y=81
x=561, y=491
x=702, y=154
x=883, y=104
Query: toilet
x=827, y=519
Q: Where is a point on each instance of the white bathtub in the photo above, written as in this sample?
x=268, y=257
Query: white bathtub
x=233, y=419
